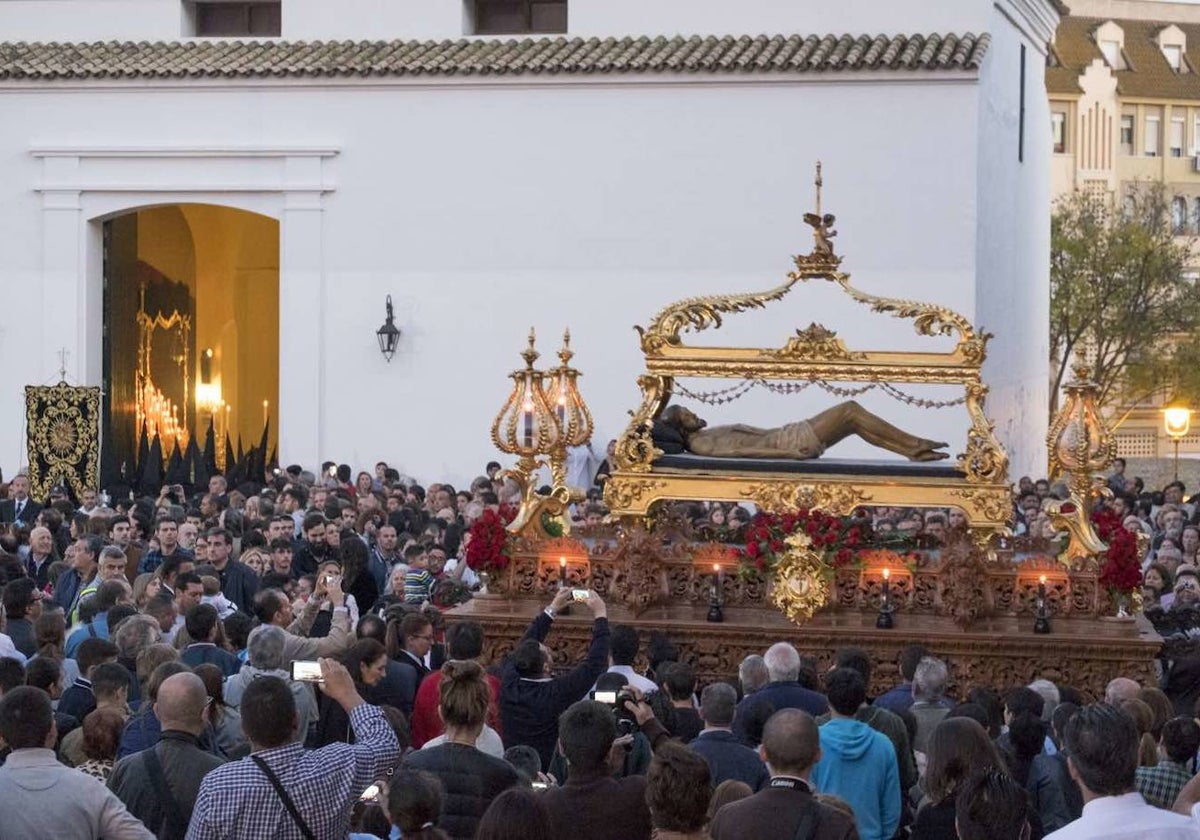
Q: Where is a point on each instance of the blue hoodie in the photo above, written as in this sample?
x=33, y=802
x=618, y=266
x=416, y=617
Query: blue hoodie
x=858, y=764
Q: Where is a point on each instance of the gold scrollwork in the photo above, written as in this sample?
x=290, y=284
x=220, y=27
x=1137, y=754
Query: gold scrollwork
x=837, y=499
x=635, y=449
x=995, y=505
x=773, y=496
x=801, y=585
x=815, y=343
x=700, y=313
x=621, y=493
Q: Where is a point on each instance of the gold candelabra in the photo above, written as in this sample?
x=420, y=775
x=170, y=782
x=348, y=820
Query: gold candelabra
x=1082, y=446
x=543, y=416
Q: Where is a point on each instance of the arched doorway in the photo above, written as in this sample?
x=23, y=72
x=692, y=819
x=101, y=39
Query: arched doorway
x=191, y=341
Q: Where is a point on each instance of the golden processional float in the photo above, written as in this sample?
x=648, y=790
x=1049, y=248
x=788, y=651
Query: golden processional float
x=639, y=560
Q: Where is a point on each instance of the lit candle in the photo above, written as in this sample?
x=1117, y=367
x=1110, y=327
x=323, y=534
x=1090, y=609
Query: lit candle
x=266, y=411
x=1042, y=587
x=887, y=591
x=527, y=409
x=562, y=571
x=718, y=581
x=562, y=410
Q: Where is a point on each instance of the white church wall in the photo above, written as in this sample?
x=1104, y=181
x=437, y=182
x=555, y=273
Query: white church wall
x=89, y=20
x=483, y=209
x=1013, y=239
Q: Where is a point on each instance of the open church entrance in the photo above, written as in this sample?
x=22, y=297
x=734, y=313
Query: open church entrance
x=191, y=345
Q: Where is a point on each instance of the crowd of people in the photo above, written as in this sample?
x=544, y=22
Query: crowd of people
x=271, y=662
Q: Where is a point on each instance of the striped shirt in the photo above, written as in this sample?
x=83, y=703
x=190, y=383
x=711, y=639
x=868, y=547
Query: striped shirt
x=418, y=586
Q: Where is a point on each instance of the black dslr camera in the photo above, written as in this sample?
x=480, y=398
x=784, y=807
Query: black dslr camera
x=615, y=700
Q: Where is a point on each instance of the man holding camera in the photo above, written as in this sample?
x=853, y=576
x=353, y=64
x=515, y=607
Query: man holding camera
x=531, y=698
x=596, y=802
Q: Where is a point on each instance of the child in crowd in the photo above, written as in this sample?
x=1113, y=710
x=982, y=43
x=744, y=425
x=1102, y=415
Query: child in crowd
x=418, y=582
x=214, y=596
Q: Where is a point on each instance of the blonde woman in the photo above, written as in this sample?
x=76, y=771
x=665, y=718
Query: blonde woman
x=259, y=561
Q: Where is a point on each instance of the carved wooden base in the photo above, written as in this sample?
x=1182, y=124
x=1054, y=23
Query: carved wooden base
x=1001, y=652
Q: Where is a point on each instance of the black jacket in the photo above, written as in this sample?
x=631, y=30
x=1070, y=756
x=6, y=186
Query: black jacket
x=184, y=765
x=239, y=584
x=595, y=806
x=529, y=708
x=729, y=758
x=470, y=781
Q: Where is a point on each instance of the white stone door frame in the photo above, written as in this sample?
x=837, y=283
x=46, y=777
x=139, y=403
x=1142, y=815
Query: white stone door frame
x=82, y=186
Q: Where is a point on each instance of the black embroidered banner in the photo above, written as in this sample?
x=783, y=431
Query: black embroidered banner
x=63, y=434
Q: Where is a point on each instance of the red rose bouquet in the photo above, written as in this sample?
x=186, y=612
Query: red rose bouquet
x=487, y=550
x=1121, y=569
x=836, y=538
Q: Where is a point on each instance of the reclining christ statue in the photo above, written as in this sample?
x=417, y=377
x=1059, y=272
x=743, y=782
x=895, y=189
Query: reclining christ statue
x=799, y=441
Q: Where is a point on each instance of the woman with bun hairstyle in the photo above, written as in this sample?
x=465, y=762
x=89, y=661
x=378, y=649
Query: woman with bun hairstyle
x=470, y=778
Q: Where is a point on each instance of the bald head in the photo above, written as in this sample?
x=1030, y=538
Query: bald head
x=181, y=703
x=791, y=743
x=1122, y=688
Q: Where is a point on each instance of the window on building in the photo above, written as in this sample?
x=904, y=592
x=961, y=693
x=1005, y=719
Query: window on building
x=516, y=17
x=1127, y=134
x=1196, y=215
x=1175, y=141
x=217, y=19
x=1174, y=56
x=1112, y=53
x=1058, y=131
x=1150, y=140
x=1179, y=215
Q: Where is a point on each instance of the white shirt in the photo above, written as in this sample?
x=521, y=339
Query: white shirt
x=633, y=678
x=8, y=650
x=488, y=742
x=1127, y=817
x=469, y=578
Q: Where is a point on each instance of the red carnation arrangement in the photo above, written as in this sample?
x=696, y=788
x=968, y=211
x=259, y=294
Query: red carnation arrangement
x=836, y=538
x=1121, y=571
x=487, y=550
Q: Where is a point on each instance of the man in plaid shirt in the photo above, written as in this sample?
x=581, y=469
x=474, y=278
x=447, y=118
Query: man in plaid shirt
x=240, y=799
x=1177, y=748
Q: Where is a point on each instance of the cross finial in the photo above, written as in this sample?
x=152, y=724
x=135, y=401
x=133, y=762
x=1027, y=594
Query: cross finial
x=818, y=182
x=62, y=364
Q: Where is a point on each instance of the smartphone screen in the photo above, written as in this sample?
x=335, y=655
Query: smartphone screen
x=305, y=671
x=371, y=794
x=609, y=697
x=579, y=594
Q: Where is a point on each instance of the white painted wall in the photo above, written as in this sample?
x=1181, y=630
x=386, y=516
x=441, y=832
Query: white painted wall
x=1013, y=236
x=88, y=20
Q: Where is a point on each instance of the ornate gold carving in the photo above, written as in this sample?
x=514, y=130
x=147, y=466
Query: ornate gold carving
x=815, y=343
x=1081, y=445
x=629, y=492
x=838, y=499
x=801, y=585
x=700, y=313
x=812, y=354
x=964, y=582
x=992, y=504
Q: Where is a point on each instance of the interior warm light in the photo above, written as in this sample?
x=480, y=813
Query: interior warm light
x=887, y=573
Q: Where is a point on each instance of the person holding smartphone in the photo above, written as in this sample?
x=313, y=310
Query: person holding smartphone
x=531, y=697
x=272, y=606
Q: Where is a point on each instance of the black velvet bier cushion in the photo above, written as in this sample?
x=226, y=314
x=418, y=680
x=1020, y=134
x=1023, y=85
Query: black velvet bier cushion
x=891, y=468
x=667, y=438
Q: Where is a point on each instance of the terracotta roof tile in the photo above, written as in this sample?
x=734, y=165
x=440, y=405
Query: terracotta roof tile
x=786, y=54
x=1148, y=74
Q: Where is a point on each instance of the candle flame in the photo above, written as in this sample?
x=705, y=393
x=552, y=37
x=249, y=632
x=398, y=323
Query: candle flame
x=562, y=561
x=716, y=567
x=887, y=573
x=1042, y=580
